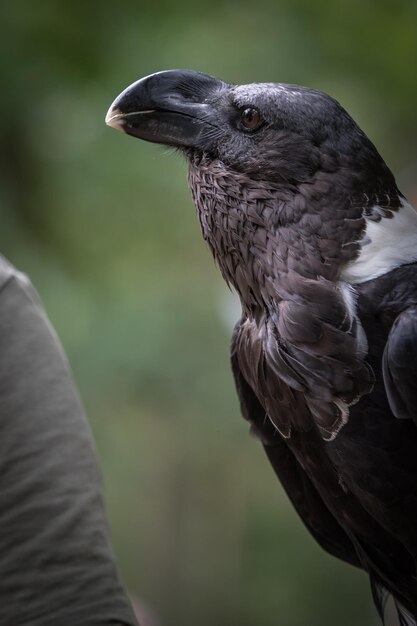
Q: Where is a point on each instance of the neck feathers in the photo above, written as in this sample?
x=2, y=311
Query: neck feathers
x=266, y=238
x=291, y=252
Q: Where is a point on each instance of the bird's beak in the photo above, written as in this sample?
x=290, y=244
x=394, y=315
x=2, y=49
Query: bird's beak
x=167, y=107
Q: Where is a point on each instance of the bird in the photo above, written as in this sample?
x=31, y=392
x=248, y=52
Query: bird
x=307, y=224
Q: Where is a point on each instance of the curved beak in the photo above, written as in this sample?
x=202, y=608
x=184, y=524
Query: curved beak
x=170, y=107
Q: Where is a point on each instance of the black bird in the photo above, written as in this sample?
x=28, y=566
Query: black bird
x=306, y=222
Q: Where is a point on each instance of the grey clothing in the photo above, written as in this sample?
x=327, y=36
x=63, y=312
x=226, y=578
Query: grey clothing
x=56, y=563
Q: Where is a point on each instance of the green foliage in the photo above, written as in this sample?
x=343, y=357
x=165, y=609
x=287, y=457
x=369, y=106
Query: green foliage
x=106, y=229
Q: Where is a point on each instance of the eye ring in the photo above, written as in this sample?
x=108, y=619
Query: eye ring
x=250, y=119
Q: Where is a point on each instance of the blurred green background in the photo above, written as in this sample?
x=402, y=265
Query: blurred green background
x=105, y=227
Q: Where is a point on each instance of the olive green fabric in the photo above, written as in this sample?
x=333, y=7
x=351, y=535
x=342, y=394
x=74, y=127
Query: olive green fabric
x=56, y=564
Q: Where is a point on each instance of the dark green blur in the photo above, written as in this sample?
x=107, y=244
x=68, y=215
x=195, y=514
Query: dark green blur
x=105, y=227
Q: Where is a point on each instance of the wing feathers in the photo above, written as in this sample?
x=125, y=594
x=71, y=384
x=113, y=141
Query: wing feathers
x=298, y=486
x=400, y=365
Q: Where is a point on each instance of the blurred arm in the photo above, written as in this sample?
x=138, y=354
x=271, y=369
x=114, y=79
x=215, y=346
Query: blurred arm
x=56, y=564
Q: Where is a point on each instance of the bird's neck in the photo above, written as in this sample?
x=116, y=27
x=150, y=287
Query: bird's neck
x=268, y=241
x=283, y=251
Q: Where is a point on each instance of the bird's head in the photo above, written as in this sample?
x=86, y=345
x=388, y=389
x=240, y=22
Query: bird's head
x=281, y=133
x=273, y=167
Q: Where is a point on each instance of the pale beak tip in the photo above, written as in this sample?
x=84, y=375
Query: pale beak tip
x=114, y=118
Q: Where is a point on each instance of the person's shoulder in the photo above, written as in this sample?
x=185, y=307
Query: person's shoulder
x=16, y=289
x=8, y=273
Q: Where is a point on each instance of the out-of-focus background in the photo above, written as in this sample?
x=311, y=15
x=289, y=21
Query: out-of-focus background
x=105, y=227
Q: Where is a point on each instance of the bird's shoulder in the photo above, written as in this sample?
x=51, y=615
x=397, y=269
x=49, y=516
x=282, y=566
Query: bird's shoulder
x=384, y=298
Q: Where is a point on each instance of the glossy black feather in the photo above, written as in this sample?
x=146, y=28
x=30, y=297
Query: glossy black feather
x=400, y=365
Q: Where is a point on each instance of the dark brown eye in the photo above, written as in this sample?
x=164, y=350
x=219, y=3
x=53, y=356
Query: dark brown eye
x=250, y=118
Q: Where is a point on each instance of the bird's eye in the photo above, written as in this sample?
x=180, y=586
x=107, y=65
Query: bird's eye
x=250, y=118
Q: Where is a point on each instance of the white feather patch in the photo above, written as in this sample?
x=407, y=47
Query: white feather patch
x=385, y=245
x=350, y=297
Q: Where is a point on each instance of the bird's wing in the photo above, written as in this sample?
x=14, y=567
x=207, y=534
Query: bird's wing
x=400, y=365
x=299, y=488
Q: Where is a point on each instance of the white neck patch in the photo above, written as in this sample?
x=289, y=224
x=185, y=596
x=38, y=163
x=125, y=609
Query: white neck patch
x=385, y=245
